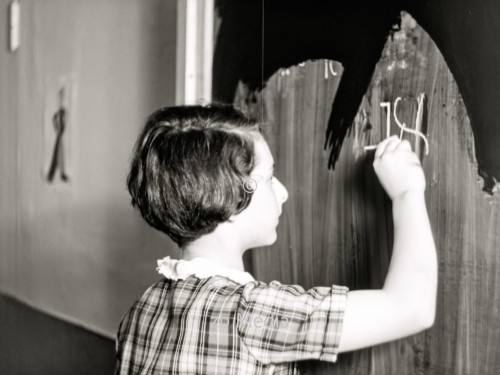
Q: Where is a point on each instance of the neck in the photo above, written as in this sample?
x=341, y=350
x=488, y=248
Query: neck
x=216, y=248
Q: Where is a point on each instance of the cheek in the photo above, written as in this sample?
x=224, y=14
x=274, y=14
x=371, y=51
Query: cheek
x=269, y=200
x=264, y=205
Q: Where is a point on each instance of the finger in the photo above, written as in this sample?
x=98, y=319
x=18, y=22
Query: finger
x=404, y=145
x=392, y=145
x=409, y=157
x=382, y=145
x=414, y=158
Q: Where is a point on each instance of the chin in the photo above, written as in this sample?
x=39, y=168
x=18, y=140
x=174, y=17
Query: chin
x=265, y=241
x=272, y=239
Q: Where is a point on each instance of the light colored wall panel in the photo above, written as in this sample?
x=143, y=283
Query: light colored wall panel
x=9, y=93
x=81, y=251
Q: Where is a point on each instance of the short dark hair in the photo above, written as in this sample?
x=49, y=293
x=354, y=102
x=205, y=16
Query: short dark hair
x=189, y=166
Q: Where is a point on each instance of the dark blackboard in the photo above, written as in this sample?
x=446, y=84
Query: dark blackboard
x=336, y=226
x=256, y=38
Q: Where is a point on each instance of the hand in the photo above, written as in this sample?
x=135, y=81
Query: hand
x=398, y=167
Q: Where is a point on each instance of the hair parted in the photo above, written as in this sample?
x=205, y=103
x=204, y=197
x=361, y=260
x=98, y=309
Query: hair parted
x=189, y=167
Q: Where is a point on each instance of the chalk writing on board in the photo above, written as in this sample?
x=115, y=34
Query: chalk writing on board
x=402, y=126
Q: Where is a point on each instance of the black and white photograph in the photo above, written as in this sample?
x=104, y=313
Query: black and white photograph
x=194, y=187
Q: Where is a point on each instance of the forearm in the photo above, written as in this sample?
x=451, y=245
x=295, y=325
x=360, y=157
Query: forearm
x=407, y=302
x=412, y=276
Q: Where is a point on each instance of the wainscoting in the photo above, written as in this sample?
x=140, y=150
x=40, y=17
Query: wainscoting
x=32, y=342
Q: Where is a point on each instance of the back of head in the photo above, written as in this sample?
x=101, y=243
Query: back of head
x=189, y=166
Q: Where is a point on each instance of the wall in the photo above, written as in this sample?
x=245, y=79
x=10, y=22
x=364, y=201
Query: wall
x=77, y=250
x=34, y=343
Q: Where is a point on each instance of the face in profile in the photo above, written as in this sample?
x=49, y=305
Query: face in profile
x=260, y=219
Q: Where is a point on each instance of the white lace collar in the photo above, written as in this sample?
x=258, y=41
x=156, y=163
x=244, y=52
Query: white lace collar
x=179, y=269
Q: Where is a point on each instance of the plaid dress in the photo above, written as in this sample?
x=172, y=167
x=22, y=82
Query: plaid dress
x=219, y=325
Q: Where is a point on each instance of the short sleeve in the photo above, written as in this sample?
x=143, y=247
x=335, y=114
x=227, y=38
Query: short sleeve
x=284, y=323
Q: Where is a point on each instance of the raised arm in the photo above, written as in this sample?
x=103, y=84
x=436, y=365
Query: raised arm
x=407, y=302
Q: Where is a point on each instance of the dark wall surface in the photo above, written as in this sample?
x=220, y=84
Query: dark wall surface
x=33, y=343
x=257, y=38
x=336, y=227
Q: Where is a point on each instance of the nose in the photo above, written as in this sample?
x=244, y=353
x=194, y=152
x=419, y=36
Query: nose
x=280, y=190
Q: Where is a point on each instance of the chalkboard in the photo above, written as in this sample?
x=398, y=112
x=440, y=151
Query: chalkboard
x=336, y=227
x=256, y=38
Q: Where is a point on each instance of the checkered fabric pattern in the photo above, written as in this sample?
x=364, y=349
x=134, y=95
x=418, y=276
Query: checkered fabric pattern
x=216, y=326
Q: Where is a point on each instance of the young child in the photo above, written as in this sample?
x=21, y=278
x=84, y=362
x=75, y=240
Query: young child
x=204, y=176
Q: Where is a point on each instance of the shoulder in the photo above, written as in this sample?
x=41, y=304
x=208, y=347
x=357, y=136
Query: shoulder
x=292, y=293
x=169, y=294
x=151, y=300
x=280, y=323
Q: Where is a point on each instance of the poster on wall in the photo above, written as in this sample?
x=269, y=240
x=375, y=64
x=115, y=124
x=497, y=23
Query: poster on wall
x=58, y=132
